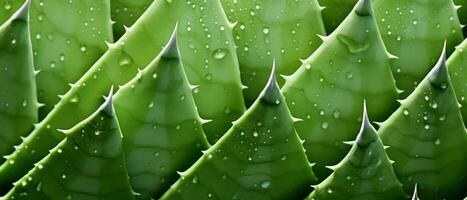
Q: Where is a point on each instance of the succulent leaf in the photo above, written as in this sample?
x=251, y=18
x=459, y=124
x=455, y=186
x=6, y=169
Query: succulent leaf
x=260, y=157
x=121, y=62
x=18, y=100
x=265, y=30
x=428, y=140
x=162, y=131
x=64, y=51
x=125, y=13
x=88, y=164
x=327, y=91
x=335, y=11
x=365, y=173
x=457, y=65
x=415, y=31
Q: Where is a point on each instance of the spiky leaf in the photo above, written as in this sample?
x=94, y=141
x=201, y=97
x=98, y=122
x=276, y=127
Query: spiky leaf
x=260, y=157
x=18, y=100
x=328, y=90
x=427, y=139
x=88, y=164
x=365, y=173
x=415, y=31
x=121, y=62
x=462, y=12
x=161, y=127
x=457, y=65
x=285, y=31
x=65, y=50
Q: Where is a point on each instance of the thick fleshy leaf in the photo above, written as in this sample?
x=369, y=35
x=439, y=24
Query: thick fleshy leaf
x=457, y=65
x=88, y=164
x=335, y=11
x=66, y=47
x=218, y=97
x=125, y=13
x=162, y=132
x=365, y=173
x=285, y=31
x=260, y=157
x=415, y=31
x=427, y=139
x=327, y=91
x=18, y=100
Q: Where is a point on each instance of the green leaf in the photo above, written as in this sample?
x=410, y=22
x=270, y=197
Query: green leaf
x=136, y=49
x=260, y=157
x=327, y=91
x=125, y=13
x=88, y=164
x=8, y=8
x=282, y=30
x=457, y=65
x=335, y=11
x=18, y=100
x=365, y=173
x=427, y=139
x=415, y=31
x=162, y=130
x=66, y=47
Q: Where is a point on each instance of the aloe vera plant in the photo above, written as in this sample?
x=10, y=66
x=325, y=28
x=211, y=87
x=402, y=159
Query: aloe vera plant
x=327, y=91
x=18, y=100
x=286, y=36
x=162, y=130
x=335, y=11
x=218, y=95
x=365, y=173
x=457, y=65
x=63, y=52
x=125, y=13
x=414, y=31
x=88, y=164
x=260, y=157
x=427, y=138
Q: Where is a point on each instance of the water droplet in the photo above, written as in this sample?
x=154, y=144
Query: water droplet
x=195, y=179
x=82, y=48
x=63, y=176
x=265, y=30
x=284, y=157
x=151, y=105
x=7, y=5
x=336, y=114
x=329, y=190
x=324, y=125
x=219, y=53
x=265, y=184
x=24, y=103
x=406, y=111
x=255, y=134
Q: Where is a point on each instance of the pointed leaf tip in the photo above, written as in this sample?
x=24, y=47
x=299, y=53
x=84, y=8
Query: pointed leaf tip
x=107, y=106
x=23, y=12
x=415, y=193
x=367, y=132
x=271, y=93
x=171, y=49
x=438, y=76
x=363, y=8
